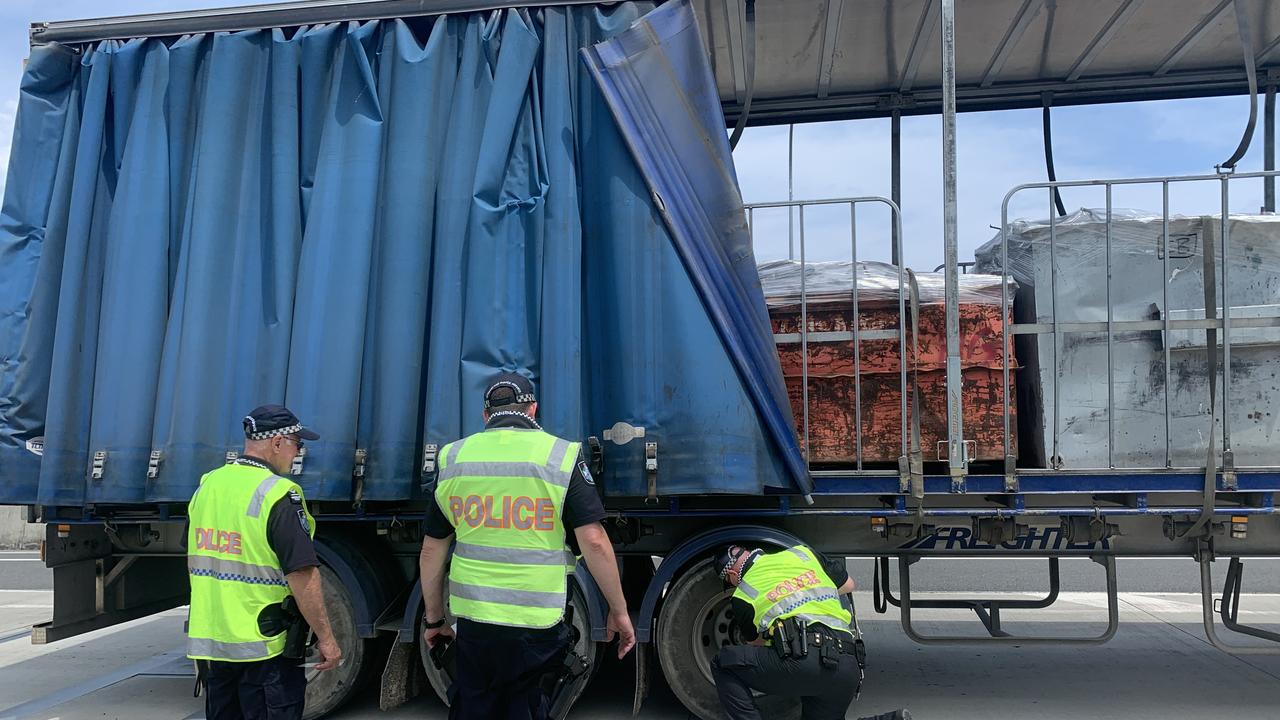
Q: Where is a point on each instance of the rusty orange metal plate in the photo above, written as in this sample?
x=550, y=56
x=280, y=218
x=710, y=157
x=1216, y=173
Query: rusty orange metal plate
x=833, y=387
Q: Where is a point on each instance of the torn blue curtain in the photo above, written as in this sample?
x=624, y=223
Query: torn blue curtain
x=364, y=221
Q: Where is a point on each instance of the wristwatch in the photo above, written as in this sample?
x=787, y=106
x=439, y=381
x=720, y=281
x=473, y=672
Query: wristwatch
x=433, y=625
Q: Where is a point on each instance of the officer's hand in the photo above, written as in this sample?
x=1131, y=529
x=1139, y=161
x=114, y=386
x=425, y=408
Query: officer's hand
x=431, y=635
x=619, y=623
x=330, y=654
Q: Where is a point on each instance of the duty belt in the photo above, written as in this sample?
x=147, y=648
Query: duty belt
x=843, y=641
x=794, y=638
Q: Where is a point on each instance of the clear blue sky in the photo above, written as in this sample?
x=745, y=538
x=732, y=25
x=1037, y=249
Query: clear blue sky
x=998, y=150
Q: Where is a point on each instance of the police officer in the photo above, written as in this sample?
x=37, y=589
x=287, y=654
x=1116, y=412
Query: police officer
x=249, y=547
x=788, y=604
x=510, y=494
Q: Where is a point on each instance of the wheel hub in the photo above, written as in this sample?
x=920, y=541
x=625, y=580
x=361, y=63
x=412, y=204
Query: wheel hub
x=717, y=630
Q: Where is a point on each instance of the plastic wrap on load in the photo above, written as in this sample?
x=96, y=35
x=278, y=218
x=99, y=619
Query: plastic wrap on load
x=1133, y=232
x=878, y=283
x=1139, y=396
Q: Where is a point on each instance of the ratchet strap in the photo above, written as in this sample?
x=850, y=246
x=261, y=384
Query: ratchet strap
x=1211, y=358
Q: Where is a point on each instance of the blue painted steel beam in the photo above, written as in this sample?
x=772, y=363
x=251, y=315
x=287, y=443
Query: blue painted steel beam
x=1079, y=511
x=1049, y=484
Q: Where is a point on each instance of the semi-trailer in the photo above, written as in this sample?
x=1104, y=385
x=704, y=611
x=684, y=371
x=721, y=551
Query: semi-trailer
x=364, y=209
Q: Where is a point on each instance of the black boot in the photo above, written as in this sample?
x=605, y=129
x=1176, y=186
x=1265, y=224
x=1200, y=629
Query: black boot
x=903, y=714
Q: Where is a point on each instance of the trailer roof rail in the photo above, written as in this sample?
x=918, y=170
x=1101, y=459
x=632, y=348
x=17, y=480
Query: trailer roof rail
x=866, y=59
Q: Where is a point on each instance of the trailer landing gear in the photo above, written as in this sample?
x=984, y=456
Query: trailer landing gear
x=1228, y=606
x=988, y=609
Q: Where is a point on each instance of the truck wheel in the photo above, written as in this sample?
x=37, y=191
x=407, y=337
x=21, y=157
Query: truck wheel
x=328, y=690
x=585, y=647
x=437, y=677
x=694, y=623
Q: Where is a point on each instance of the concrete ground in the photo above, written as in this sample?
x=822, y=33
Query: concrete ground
x=1159, y=666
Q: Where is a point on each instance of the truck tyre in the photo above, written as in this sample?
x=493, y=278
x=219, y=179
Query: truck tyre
x=693, y=624
x=585, y=647
x=328, y=690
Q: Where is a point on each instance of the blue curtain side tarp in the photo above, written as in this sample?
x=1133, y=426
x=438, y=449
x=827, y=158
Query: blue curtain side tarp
x=364, y=221
x=658, y=83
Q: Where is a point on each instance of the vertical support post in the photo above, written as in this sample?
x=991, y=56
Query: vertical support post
x=1111, y=379
x=791, y=194
x=904, y=357
x=855, y=326
x=1010, y=462
x=804, y=340
x=956, y=459
x=1269, y=150
x=895, y=180
x=1227, y=454
x=1164, y=316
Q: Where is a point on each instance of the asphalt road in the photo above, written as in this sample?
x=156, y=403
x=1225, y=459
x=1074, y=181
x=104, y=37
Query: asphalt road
x=22, y=570
x=1159, y=666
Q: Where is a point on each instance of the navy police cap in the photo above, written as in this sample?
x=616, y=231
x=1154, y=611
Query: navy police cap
x=268, y=421
x=509, y=389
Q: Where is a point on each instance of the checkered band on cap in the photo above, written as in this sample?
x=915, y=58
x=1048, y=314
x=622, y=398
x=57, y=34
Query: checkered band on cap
x=250, y=426
x=515, y=413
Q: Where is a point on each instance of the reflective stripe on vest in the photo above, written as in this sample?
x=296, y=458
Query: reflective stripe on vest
x=515, y=556
x=235, y=570
x=243, y=651
x=234, y=573
x=791, y=583
x=503, y=491
x=525, y=598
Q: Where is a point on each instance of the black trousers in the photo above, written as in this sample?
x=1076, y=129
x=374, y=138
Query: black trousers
x=824, y=693
x=505, y=673
x=272, y=689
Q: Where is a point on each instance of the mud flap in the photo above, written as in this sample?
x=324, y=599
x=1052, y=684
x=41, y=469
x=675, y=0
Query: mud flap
x=642, y=678
x=402, y=679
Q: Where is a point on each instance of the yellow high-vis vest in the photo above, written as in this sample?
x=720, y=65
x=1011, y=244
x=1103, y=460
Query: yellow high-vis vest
x=792, y=583
x=234, y=572
x=503, y=491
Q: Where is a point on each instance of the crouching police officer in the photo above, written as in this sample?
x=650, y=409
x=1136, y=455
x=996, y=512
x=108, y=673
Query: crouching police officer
x=788, y=604
x=509, y=494
x=253, y=570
